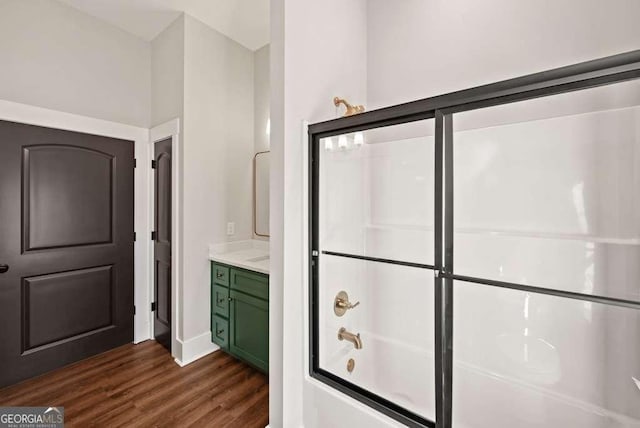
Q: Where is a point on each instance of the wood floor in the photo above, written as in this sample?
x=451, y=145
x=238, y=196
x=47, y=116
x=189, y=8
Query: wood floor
x=141, y=386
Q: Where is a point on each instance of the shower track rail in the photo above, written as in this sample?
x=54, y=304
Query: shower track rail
x=379, y=260
x=600, y=72
x=595, y=298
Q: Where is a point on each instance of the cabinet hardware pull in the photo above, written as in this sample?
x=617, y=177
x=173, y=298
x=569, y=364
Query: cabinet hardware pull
x=230, y=299
x=219, y=274
x=220, y=332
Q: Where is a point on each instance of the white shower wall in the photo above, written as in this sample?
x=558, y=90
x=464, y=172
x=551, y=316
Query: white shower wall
x=551, y=202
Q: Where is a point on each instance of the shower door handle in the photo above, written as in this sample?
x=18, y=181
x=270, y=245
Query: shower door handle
x=4, y=268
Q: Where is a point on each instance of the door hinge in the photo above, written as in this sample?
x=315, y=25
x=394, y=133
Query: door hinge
x=134, y=309
x=135, y=162
x=153, y=306
x=135, y=237
x=153, y=235
x=153, y=164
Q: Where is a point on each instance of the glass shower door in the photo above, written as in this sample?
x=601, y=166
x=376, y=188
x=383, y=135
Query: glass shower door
x=547, y=196
x=475, y=256
x=375, y=273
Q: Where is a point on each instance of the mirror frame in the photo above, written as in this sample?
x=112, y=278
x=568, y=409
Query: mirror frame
x=255, y=195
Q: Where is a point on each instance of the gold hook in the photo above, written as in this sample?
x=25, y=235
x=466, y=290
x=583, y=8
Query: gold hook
x=351, y=110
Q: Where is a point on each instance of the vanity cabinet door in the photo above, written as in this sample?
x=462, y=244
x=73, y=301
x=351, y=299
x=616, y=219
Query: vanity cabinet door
x=249, y=329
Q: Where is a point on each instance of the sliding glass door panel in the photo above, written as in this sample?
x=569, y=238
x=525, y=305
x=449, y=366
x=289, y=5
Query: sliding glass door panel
x=543, y=361
x=547, y=192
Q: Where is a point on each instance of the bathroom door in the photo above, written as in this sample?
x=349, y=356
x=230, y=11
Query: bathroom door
x=66, y=248
x=162, y=243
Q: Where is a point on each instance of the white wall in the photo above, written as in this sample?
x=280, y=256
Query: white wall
x=56, y=57
x=217, y=159
x=422, y=48
x=313, y=60
x=167, y=74
x=276, y=221
x=261, y=97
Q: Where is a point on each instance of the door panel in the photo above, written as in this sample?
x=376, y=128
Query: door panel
x=74, y=185
x=249, y=334
x=163, y=281
x=66, y=204
x=87, y=292
x=162, y=243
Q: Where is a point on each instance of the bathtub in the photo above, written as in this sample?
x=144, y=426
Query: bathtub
x=482, y=397
x=396, y=371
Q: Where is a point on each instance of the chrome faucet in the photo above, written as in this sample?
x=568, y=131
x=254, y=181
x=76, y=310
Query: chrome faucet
x=343, y=334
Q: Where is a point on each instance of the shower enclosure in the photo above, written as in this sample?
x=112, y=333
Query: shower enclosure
x=474, y=258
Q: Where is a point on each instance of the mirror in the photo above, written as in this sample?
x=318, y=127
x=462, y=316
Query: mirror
x=261, y=194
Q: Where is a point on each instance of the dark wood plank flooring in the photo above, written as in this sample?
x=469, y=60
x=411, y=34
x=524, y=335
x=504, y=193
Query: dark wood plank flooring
x=141, y=386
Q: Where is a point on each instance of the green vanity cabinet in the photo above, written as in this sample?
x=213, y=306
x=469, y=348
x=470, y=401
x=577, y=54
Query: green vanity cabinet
x=240, y=313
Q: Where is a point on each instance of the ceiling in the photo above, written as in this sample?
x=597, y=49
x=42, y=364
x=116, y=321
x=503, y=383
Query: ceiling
x=245, y=21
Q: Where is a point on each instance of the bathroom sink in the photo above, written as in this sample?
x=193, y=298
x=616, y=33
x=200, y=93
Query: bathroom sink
x=258, y=259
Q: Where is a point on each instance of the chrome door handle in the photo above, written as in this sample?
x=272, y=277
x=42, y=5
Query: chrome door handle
x=4, y=268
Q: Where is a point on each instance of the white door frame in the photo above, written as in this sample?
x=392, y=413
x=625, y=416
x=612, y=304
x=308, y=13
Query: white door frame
x=170, y=129
x=31, y=115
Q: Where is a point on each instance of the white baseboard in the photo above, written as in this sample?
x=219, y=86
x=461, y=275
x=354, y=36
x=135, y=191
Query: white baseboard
x=195, y=348
x=141, y=332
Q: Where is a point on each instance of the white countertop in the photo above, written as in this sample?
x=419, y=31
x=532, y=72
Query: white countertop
x=252, y=254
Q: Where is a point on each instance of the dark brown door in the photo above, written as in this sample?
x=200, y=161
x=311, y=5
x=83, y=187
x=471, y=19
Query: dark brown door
x=162, y=243
x=66, y=248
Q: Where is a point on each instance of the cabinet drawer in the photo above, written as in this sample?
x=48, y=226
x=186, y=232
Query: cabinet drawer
x=250, y=283
x=220, y=331
x=220, y=300
x=220, y=274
